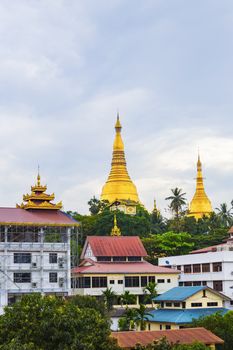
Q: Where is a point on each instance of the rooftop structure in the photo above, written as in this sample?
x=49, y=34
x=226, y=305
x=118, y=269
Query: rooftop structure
x=119, y=185
x=128, y=340
x=200, y=205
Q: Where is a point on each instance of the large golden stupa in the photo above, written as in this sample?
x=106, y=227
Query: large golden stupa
x=119, y=186
x=200, y=205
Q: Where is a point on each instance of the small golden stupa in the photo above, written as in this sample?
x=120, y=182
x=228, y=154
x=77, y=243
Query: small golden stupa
x=115, y=230
x=200, y=205
x=38, y=199
x=119, y=186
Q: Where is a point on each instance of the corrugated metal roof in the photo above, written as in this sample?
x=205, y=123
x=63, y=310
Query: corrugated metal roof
x=128, y=340
x=123, y=268
x=182, y=316
x=115, y=246
x=18, y=216
x=179, y=293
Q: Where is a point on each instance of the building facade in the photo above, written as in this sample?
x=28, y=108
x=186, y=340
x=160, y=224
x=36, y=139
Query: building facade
x=34, y=248
x=118, y=263
x=211, y=266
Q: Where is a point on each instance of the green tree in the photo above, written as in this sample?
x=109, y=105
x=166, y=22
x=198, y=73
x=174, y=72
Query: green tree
x=141, y=316
x=127, y=298
x=109, y=296
x=127, y=321
x=163, y=344
x=225, y=215
x=96, y=205
x=48, y=323
x=151, y=292
x=177, y=200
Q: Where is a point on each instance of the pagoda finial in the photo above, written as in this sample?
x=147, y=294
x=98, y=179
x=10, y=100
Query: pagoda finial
x=118, y=126
x=115, y=230
x=38, y=176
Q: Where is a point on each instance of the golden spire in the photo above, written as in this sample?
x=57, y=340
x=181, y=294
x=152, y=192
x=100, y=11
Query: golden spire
x=38, y=199
x=115, y=230
x=119, y=185
x=200, y=204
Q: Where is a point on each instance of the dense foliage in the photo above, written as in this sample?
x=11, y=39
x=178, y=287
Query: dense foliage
x=163, y=344
x=48, y=323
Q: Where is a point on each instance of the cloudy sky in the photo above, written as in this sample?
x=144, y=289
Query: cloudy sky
x=67, y=66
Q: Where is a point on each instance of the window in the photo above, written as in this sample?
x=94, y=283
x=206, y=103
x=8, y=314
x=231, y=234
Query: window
x=168, y=304
x=196, y=304
x=167, y=326
x=160, y=326
x=187, y=284
x=111, y=282
x=204, y=294
x=212, y=304
x=148, y=326
x=204, y=283
x=217, y=267
x=134, y=258
x=22, y=258
x=119, y=258
x=120, y=281
x=187, y=268
x=160, y=280
x=53, y=277
x=178, y=267
x=143, y=281
x=183, y=305
x=103, y=258
x=168, y=280
x=99, y=282
x=52, y=258
x=196, y=283
x=152, y=279
x=181, y=284
x=205, y=267
x=84, y=282
x=22, y=277
x=217, y=285
x=196, y=268
x=132, y=281
x=176, y=304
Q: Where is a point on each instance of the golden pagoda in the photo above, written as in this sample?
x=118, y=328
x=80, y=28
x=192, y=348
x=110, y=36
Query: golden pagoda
x=115, y=230
x=38, y=199
x=119, y=187
x=200, y=204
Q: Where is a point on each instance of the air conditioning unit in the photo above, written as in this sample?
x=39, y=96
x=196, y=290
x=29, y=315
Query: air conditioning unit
x=61, y=263
x=34, y=284
x=34, y=265
x=61, y=281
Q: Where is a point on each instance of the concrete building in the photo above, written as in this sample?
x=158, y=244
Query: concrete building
x=118, y=262
x=211, y=266
x=34, y=248
x=179, y=306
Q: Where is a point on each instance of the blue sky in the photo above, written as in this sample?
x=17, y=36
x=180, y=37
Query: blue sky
x=66, y=67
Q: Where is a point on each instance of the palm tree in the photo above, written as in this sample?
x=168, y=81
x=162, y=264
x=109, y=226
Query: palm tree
x=177, y=200
x=225, y=215
x=109, y=297
x=127, y=298
x=150, y=291
x=127, y=322
x=141, y=315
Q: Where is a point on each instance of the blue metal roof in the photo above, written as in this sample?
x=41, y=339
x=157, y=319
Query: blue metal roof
x=182, y=316
x=179, y=293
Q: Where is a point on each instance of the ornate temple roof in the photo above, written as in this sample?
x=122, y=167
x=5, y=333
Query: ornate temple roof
x=38, y=199
x=119, y=185
x=200, y=204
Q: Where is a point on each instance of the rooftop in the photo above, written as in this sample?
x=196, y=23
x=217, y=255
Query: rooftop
x=182, y=316
x=115, y=246
x=89, y=266
x=18, y=216
x=128, y=340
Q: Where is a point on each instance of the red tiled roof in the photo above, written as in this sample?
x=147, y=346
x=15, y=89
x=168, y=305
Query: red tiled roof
x=212, y=248
x=94, y=267
x=115, y=246
x=18, y=216
x=129, y=339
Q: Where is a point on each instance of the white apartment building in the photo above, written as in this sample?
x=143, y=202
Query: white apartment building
x=211, y=266
x=34, y=248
